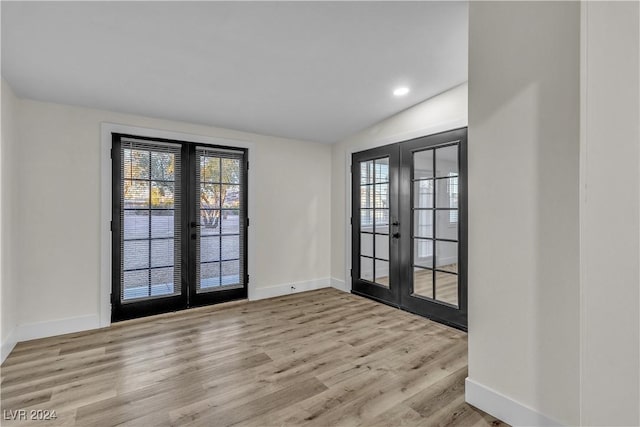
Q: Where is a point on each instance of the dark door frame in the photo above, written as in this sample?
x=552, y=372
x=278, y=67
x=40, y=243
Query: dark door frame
x=401, y=272
x=188, y=297
x=388, y=295
x=439, y=311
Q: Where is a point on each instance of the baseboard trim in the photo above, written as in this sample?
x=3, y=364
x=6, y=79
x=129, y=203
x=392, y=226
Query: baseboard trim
x=285, y=289
x=339, y=285
x=7, y=345
x=503, y=407
x=32, y=331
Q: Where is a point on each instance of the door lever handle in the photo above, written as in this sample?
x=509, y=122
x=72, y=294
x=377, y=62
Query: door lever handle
x=396, y=235
x=194, y=224
x=395, y=223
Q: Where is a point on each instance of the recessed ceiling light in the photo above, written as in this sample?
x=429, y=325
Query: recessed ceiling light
x=401, y=91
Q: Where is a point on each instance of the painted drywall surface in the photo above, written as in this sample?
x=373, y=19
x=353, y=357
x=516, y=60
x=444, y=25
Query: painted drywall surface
x=523, y=161
x=610, y=185
x=57, y=253
x=442, y=112
x=8, y=191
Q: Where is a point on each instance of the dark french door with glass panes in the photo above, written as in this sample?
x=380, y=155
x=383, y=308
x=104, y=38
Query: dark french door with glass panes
x=409, y=226
x=179, y=225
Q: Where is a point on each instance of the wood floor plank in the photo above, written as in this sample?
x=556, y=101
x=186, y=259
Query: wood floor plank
x=315, y=359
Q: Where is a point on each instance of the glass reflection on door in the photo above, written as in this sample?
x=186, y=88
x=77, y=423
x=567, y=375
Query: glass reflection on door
x=219, y=249
x=150, y=218
x=435, y=223
x=374, y=221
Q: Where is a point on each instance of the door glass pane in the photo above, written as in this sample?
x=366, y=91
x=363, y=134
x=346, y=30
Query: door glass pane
x=447, y=161
x=381, y=170
x=150, y=233
x=209, y=248
x=136, y=194
x=366, y=172
x=447, y=256
x=135, y=284
x=162, y=252
x=382, y=221
x=209, y=275
x=230, y=196
x=230, y=273
x=136, y=224
x=136, y=254
x=423, y=194
x=381, y=196
x=209, y=169
x=447, y=287
x=231, y=171
x=447, y=224
x=423, y=253
x=209, y=196
x=163, y=224
x=423, y=223
x=366, y=219
x=230, y=221
x=382, y=272
x=161, y=195
x=366, y=268
x=382, y=246
x=423, y=164
x=447, y=191
x=162, y=282
x=366, y=244
x=210, y=222
x=231, y=247
x=423, y=282
x=366, y=196
x=136, y=164
x=220, y=237
x=162, y=166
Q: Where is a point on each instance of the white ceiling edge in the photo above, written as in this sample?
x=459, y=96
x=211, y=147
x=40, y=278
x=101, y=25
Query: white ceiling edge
x=236, y=65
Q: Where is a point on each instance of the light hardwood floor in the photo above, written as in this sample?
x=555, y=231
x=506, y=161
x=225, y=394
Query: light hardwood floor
x=317, y=358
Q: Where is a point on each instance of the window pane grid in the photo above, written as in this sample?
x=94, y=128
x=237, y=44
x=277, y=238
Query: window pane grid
x=149, y=197
x=435, y=193
x=221, y=210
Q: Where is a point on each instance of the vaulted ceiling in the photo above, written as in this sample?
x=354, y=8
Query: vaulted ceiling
x=316, y=71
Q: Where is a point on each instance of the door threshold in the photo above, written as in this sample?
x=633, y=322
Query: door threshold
x=435, y=319
x=189, y=310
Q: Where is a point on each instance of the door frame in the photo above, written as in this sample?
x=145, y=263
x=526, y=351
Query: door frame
x=346, y=285
x=103, y=319
x=438, y=311
x=189, y=297
x=383, y=294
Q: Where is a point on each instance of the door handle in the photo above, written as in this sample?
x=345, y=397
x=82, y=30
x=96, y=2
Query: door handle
x=194, y=224
x=395, y=223
x=396, y=235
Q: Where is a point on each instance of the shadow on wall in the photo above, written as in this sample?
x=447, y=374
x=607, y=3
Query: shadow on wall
x=524, y=196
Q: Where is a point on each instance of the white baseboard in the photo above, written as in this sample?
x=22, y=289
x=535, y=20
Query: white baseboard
x=32, y=331
x=7, y=345
x=340, y=285
x=285, y=289
x=503, y=407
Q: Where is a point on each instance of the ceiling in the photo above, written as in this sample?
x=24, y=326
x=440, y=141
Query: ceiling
x=317, y=71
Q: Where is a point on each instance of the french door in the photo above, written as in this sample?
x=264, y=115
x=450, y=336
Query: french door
x=409, y=233
x=178, y=225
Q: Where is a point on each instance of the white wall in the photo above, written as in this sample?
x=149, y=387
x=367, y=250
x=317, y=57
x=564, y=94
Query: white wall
x=8, y=285
x=445, y=111
x=523, y=161
x=610, y=186
x=56, y=234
